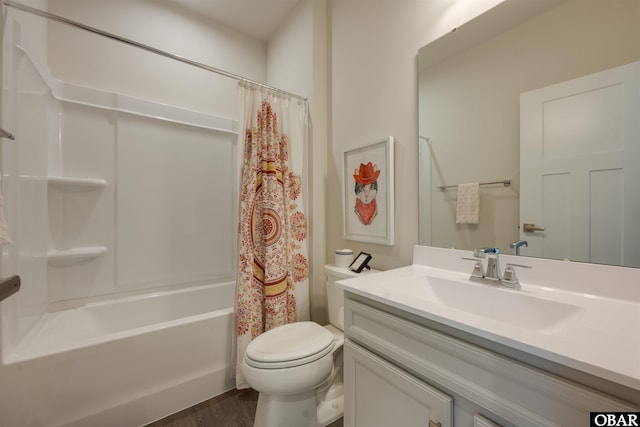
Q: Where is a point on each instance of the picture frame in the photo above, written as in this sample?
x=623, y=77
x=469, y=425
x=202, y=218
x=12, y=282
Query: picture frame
x=360, y=262
x=368, y=192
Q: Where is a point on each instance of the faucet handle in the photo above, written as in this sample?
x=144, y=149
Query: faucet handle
x=510, y=278
x=478, y=253
x=478, y=268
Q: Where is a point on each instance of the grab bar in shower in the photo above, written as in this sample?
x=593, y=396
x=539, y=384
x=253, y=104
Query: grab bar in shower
x=9, y=286
x=5, y=134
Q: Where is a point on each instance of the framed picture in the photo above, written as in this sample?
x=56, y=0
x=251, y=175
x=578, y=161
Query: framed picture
x=367, y=187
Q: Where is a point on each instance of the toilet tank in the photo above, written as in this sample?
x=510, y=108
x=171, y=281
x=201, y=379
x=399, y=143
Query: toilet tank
x=335, y=295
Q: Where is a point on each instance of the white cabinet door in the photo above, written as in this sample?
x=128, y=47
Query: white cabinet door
x=579, y=157
x=377, y=394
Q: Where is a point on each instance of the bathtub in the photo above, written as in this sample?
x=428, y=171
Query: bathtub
x=124, y=362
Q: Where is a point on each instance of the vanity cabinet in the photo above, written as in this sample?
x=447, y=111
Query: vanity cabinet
x=403, y=370
x=380, y=394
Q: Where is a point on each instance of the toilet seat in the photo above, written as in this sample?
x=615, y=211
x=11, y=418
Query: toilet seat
x=289, y=345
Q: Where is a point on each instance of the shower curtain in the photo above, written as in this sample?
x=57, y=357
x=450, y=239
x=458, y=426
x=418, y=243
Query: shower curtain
x=272, y=286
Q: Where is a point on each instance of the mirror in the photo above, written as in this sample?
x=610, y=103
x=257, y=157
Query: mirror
x=470, y=82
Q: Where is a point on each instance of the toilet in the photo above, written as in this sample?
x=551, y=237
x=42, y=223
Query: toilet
x=297, y=368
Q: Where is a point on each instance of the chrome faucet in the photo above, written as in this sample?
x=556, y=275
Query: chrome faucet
x=493, y=274
x=493, y=263
x=517, y=245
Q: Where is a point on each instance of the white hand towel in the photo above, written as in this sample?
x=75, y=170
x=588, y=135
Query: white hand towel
x=468, y=206
x=4, y=232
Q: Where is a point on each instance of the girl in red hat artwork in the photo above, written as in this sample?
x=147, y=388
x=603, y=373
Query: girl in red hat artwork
x=366, y=188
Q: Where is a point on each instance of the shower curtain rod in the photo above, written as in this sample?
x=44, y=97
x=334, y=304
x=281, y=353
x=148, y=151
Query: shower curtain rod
x=130, y=42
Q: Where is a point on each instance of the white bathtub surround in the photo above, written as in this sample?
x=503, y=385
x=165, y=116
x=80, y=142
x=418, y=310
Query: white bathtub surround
x=5, y=239
x=125, y=313
x=110, y=319
x=273, y=261
x=584, y=317
x=104, y=364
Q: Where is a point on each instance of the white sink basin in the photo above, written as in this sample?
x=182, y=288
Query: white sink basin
x=512, y=307
x=572, y=314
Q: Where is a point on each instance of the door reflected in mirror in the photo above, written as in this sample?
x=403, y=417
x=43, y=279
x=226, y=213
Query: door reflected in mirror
x=469, y=124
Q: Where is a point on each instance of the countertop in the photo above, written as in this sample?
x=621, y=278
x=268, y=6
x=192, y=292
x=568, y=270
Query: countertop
x=597, y=332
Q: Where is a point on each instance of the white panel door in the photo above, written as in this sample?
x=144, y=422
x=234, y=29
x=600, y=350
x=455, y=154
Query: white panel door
x=580, y=168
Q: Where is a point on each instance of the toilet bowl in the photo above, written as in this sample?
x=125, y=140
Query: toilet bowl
x=293, y=358
x=297, y=368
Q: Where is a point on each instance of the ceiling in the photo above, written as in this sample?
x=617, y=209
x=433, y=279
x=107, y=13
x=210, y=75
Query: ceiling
x=257, y=18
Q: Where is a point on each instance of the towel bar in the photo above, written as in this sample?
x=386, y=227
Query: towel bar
x=506, y=183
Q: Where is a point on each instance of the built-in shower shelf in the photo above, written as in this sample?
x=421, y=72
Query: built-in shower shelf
x=74, y=255
x=76, y=184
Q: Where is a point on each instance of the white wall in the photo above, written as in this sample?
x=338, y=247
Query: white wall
x=35, y=29
x=374, y=94
x=94, y=61
x=290, y=59
x=297, y=62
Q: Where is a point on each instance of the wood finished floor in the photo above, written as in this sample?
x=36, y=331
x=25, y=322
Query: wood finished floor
x=235, y=408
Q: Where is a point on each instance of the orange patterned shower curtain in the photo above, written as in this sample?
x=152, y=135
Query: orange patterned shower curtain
x=272, y=286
